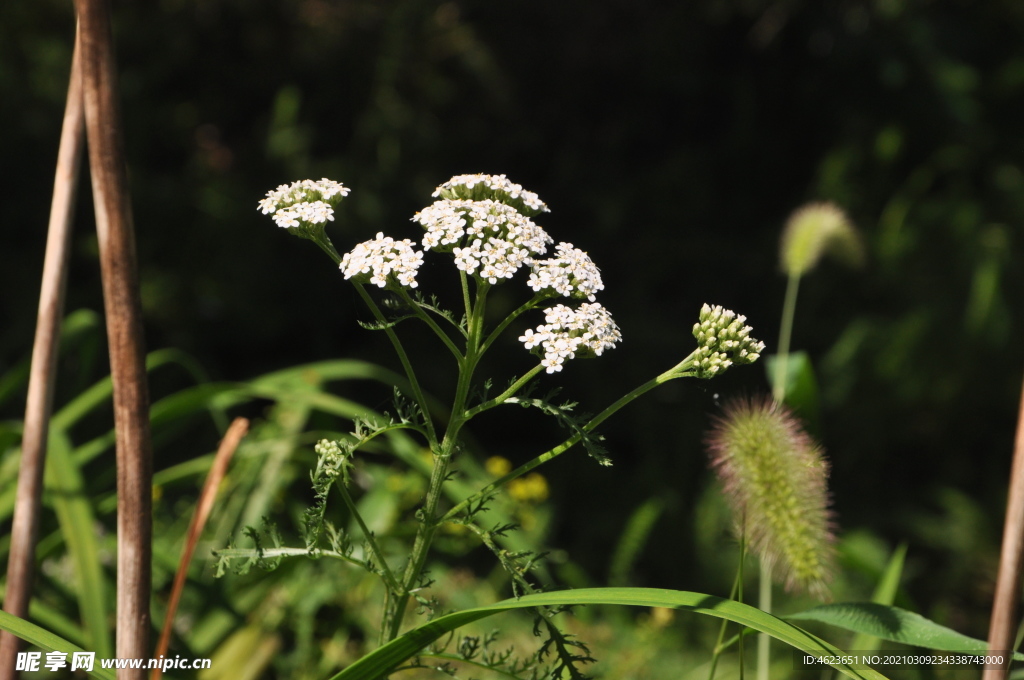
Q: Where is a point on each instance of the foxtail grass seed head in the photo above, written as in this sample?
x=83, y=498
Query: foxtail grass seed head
x=570, y=333
x=304, y=207
x=775, y=479
x=812, y=231
x=383, y=261
x=723, y=340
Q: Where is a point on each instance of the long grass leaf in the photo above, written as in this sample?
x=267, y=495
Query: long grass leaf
x=47, y=641
x=77, y=524
x=378, y=663
x=634, y=537
x=894, y=624
x=54, y=620
x=101, y=392
x=885, y=593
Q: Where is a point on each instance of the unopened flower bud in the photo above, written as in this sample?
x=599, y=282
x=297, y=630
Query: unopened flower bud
x=724, y=340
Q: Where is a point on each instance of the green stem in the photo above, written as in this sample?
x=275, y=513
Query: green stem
x=785, y=335
x=501, y=398
x=719, y=646
x=442, y=459
x=464, y=280
x=404, y=358
x=764, y=603
x=525, y=307
x=739, y=594
x=681, y=370
x=320, y=238
x=268, y=553
x=389, y=578
x=461, y=660
x=418, y=310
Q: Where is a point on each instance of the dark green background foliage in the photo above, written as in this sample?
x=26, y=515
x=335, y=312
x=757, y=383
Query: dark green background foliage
x=671, y=141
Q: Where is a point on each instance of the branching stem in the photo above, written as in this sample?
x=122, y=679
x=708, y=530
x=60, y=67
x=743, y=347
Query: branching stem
x=404, y=358
x=681, y=370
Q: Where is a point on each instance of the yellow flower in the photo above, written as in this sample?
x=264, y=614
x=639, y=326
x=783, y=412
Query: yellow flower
x=497, y=466
x=532, y=488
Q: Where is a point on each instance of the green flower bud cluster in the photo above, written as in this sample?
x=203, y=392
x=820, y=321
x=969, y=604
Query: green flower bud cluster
x=332, y=461
x=724, y=341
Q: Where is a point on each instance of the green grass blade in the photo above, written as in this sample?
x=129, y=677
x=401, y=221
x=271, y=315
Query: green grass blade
x=634, y=538
x=47, y=641
x=74, y=513
x=101, y=391
x=76, y=325
x=894, y=624
x=344, y=369
x=379, y=662
x=53, y=619
x=885, y=593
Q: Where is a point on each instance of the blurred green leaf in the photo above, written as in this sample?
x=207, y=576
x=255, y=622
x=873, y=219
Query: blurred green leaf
x=893, y=624
x=47, y=641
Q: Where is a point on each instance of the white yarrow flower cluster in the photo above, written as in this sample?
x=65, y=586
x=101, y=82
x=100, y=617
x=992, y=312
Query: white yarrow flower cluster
x=587, y=331
x=497, y=187
x=571, y=273
x=377, y=260
x=724, y=341
x=306, y=201
x=495, y=239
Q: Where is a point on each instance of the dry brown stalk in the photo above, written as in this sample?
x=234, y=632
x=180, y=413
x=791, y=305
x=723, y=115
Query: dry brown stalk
x=124, y=332
x=227, y=448
x=43, y=372
x=1003, y=624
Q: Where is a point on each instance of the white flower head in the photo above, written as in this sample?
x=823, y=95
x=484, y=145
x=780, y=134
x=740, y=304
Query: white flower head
x=569, y=333
x=571, y=273
x=724, y=340
x=307, y=200
x=493, y=187
x=304, y=208
x=489, y=239
x=381, y=261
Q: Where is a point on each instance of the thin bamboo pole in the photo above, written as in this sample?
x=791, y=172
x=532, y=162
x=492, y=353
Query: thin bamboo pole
x=1003, y=625
x=43, y=372
x=124, y=332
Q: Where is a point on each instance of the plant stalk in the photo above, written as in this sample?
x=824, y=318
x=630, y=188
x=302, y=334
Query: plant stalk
x=439, y=473
x=119, y=270
x=1004, y=603
x=785, y=337
x=417, y=392
x=232, y=438
x=764, y=603
x=43, y=371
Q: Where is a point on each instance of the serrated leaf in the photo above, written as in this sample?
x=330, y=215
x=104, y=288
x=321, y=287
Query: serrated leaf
x=384, y=325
